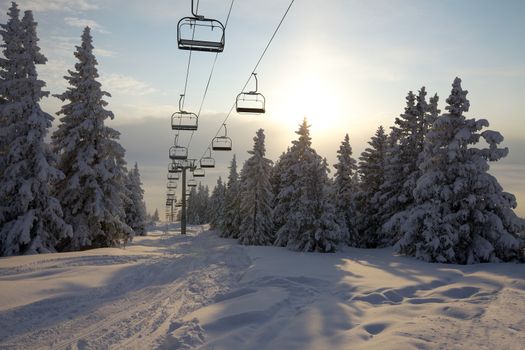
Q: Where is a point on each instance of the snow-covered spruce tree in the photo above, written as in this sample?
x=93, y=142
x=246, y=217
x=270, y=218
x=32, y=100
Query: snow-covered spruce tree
x=191, y=207
x=402, y=161
x=197, y=208
x=256, y=196
x=217, y=200
x=31, y=219
x=92, y=193
x=461, y=214
x=282, y=179
x=232, y=204
x=313, y=223
x=345, y=188
x=275, y=176
x=371, y=169
x=11, y=75
x=204, y=203
x=135, y=208
x=156, y=216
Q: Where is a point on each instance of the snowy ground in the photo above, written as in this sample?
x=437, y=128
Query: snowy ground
x=169, y=292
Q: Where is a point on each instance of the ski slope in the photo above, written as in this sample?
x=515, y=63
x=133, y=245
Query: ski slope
x=167, y=291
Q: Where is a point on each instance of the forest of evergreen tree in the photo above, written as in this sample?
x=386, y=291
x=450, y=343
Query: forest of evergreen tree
x=77, y=192
x=422, y=186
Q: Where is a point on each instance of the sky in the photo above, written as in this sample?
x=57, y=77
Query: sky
x=346, y=67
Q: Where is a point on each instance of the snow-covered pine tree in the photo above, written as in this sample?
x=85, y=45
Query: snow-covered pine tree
x=345, y=189
x=275, y=176
x=135, y=208
x=155, y=217
x=11, y=69
x=192, y=215
x=461, y=214
x=91, y=157
x=217, y=200
x=203, y=208
x=402, y=162
x=256, y=196
x=232, y=204
x=11, y=72
x=282, y=180
x=198, y=205
x=371, y=170
x=31, y=219
x=312, y=222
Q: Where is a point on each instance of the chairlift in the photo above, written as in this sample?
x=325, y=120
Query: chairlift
x=174, y=167
x=183, y=120
x=222, y=143
x=207, y=161
x=178, y=152
x=171, y=185
x=191, y=183
x=187, y=163
x=173, y=176
x=251, y=102
x=198, y=33
x=171, y=193
x=199, y=172
x=169, y=202
x=178, y=205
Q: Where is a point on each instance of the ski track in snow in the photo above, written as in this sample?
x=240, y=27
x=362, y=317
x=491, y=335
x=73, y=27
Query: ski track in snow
x=166, y=291
x=136, y=308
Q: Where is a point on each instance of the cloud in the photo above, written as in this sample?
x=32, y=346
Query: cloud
x=126, y=85
x=104, y=52
x=64, y=47
x=59, y=5
x=84, y=22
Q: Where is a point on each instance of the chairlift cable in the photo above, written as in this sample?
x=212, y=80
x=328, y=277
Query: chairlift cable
x=211, y=73
x=253, y=71
x=188, y=68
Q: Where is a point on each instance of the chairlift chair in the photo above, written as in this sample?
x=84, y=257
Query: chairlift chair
x=171, y=193
x=251, y=102
x=222, y=143
x=173, y=176
x=178, y=205
x=191, y=183
x=171, y=185
x=198, y=33
x=183, y=120
x=178, y=152
x=174, y=167
x=187, y=163
x=207, y=161
x=199, y=172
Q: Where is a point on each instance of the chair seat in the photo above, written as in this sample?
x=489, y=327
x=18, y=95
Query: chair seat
x=250, y=110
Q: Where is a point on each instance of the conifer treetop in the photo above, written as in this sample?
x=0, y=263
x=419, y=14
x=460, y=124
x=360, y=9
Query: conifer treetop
x=304, y=134
x=457, y=101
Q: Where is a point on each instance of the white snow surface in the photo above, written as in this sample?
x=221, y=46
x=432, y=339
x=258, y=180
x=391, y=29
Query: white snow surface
x=167, y=291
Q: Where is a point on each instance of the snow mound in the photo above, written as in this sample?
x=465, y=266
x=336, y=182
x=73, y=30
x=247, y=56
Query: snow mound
x=183, y=336
x=199, y=291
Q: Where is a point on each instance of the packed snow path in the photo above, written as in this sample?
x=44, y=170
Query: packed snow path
x=199, y=291
x=118, y=298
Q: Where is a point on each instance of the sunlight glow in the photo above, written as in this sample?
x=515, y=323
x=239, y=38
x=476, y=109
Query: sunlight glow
x=310, y=96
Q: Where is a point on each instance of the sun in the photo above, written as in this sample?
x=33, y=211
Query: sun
x=311, y=97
